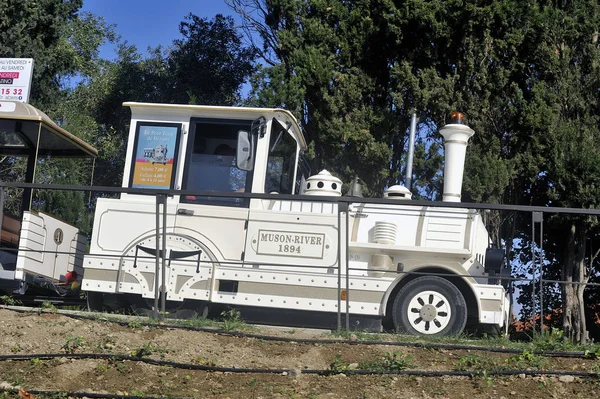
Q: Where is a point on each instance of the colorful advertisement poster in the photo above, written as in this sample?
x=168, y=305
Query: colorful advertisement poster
x=155, y=154
x=15, y=79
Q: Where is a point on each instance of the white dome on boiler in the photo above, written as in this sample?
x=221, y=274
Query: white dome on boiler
x=323, y=183
x=397, y=192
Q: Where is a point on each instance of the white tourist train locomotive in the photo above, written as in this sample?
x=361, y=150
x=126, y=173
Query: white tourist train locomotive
x=242, y=224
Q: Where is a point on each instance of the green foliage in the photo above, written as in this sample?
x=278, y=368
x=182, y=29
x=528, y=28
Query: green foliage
x=337, y=366
x=214, y=50
x=389, y=362
x=197, y=322
x=526, y=360
x=48, y=305
x=475, y=362
x=135, y=324
x=144, y=350
x=232, y=320
x=40, y=30
x=9, y=300
x=204, y=361
x=553, y=340
x=73, y=343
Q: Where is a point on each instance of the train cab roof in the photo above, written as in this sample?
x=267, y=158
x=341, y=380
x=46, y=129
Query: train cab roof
x=25, y=130
x=183, y=113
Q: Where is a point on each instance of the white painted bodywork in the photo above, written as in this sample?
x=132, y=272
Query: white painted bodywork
x=41, y=255
x=286, y=254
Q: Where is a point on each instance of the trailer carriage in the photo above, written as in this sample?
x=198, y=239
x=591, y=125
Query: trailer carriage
x=36, y=248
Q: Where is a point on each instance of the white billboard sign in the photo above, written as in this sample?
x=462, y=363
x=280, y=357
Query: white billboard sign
x=15, y=79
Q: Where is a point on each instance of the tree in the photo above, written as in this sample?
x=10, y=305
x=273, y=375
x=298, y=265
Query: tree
x=209, y=65
x=63, y=44
x=330, y=67
x=526, y=75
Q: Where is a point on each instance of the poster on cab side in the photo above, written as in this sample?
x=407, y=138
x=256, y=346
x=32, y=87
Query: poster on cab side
x=15, y=79
x=155, y=155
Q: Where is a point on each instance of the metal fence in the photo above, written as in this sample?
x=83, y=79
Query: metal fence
x=536, y=241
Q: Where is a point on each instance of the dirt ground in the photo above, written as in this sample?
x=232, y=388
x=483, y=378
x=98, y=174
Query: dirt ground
x=38, y=333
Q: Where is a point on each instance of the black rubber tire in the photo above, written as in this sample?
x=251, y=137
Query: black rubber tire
x=455, y=301
x=95, y=301
x=103, y=302
x=175, y=310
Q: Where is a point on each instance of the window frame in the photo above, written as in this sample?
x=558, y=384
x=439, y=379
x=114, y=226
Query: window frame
x=204, y=200
x=136, y=142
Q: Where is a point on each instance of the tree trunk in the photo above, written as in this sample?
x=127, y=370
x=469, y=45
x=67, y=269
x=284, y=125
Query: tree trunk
x=574, y=271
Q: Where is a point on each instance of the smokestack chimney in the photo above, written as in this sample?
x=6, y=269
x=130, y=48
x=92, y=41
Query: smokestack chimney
x=456, y=135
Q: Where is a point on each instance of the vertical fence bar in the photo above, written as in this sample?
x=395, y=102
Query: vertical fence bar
x=533, y=272
x=163, y=300
x=1, y=205
x=541, y=246
x=339, y=257
x=157, y=266
x=347, y=259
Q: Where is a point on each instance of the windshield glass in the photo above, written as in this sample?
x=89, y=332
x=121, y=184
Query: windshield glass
x=281, y=162
x=211, y=165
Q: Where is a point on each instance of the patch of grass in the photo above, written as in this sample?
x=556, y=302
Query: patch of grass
x=16, y=380
x=553, y=340
x=204, y=361
x=135, y=324
x=144, y=350
x=475, y=362
x=74, y=307
x=337, y=366
x=118, y=365
x=101, y=368
x=361, y=336
x=73, y=343
x=107, y=344
x=232, y=320
x=527, y=360
x=389, y=362
x=10, y=301
x=48, y=305
x=196, y=322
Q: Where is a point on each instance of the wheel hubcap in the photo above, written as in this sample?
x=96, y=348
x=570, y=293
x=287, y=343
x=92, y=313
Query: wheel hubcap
x=429, y=312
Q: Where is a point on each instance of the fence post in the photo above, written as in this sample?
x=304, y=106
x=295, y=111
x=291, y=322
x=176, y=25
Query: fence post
x=1, y=205
x=533, y=273
x=163, y=287
x=339, y=262
x=346, y=259
x=155, y=312
x=537, y=217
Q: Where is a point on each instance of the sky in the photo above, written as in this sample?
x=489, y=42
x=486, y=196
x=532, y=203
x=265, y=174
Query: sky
x=148, y=23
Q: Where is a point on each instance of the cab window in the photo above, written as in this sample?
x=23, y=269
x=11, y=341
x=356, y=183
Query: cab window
x=281, y=162
x=210, y=164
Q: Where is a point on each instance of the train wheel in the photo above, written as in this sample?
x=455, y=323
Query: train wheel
x=174, y=309
x=430, y=305
x=103, y=302
x=95, y=301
